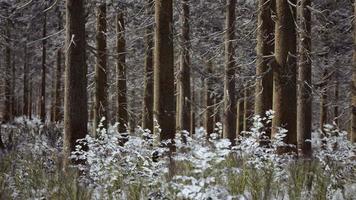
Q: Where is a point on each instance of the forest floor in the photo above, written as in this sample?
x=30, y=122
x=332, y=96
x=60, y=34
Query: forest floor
x=30, y=166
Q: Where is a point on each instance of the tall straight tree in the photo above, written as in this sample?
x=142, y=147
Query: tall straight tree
x=147, y=113
x=75, y=92
x=122, y=115
x=100, y=97
x=7, y=111
x=265, y=49
x=43, y=79
x=353, y=114
x=184, y=73
x=57, y=104
x=209, y=101
x=284, y=73
x=229, y=127
x=26, y=71
x=304, y=112
x=164, y=105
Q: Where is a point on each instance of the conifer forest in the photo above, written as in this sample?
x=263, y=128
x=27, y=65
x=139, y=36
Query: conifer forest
x=178, y=99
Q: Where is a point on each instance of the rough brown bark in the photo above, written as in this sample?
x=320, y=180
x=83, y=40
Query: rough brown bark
x=100, y=97
x=304, y=112
x=353, y=89
x=43, y=79
x=25, y=83
x=265, y=49
x=284, y=74
x=246, y=113
x=75, y=93
x=122, y=112
x=164, y=108
x=229, y=127
x=147, y=113
x=209, y=102
x=184, y=72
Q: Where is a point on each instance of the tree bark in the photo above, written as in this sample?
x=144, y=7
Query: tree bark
x=147, y=114
x=184, y=73
x=100, y=97
x=304, y=112
x=265, y=49
x=7, y=112
x=164, y=108
x=43, y=80
x=75, y=94
x=323, y=104
x=57, y=104
x=229, y=127
x=209, y=102
x=192, y=110
x=240, y=116
x=122, y=112
x=25, y=83
x=353, y=90
x=336, y=100
x=284, y=74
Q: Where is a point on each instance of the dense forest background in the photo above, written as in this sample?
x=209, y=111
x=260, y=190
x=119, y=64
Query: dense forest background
x=203, y=74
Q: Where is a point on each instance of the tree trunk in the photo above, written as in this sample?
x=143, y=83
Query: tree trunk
x=209, y=102
x=43, y=80
x=164, y=108
x=323, y=104
x=184, y=73
x=13, y=89
x=75, y=93
x=284, y=75
x=240, y=116
x=336, y=100
x=58, y=87
x=353, y=114
x=147, y=114
x=122, y=115
x=304, y=112
x=100, y=97
x=229, y=128
x=265, y=49
x=7, y=112
x=246, y=112
x=30, y=103
x=25, y=83
x=192, y=110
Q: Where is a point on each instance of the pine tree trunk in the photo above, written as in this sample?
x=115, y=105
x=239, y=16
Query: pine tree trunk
x=147, y=113
x=58, y=86
x=75, y=93
x=353, y=114
x=100, y=97
x=122, y=114
x=323, y=104
x=43, y=80
x=209, y=102
x=25, y=83
x=304, y=112
x=13, y=89
x=184, y=72
x=192, y=109
x=30, y=103
x=7, y=111
x=240, y=116
x=229, y=127
x=336, y=100
x=246, y=113
x=284, y=74
x=265, y=49
x=164, y=106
